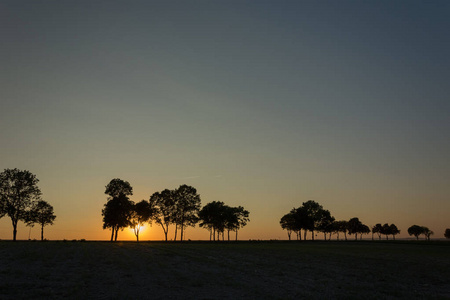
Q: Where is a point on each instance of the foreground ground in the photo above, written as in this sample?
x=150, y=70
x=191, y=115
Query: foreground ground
x=246, y=270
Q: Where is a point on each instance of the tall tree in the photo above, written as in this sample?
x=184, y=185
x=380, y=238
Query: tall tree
x=314, y=212
x=187, y=207
x=415, y=230
x=242, y=217
x=325, y=224
x=386, y=230
x=117, y=213
x=42, y=214
x=18, y=192
x=140, y=214
x=164, y=209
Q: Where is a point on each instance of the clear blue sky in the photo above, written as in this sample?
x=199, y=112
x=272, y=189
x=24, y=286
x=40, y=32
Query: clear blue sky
x=264, y=104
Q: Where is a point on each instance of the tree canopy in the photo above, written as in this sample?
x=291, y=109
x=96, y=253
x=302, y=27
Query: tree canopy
x=42, y=214
x=18, y=192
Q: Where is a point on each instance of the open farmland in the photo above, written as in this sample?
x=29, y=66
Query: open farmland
x=203, y=270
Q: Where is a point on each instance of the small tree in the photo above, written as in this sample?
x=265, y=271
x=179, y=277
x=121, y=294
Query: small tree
x=42, y=214
x=187, y=203
x=386, y=230
x=18, y=192
x=427, y=232
x=447, y=233
x=415, y=230
x=117, y=213
x=378, y=228
x=393, y=230
x=141, y=214
x=354, y=226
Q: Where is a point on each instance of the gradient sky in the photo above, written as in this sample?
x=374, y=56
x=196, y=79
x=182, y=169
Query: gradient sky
x=264, y=104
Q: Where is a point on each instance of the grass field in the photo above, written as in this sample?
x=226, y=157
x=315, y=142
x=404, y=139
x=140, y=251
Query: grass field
x=245, y=270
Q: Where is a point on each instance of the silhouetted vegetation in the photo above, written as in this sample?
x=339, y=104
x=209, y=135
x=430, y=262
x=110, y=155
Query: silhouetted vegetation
x=447, y=233
x=41, y=213
x=117, y=211
x=311, y=216
x=141, y=213
x=417, y=230
x=18, y=193
x=218, y=217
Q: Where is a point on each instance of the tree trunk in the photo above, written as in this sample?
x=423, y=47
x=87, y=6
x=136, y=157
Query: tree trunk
x=324, y=236
x=304, y=234
x=228, y=235
x=14, y=223
x=42, y=232
x=345, y=234
x=356, y=236
x=393, y=237
x=312, y=235
x=181, y=233
x=176, y=230
x=337, y=236
x=117, y=231
x=112, y=233
x=236, y=234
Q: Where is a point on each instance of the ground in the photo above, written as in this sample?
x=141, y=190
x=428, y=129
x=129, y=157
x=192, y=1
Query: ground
x=225, y=270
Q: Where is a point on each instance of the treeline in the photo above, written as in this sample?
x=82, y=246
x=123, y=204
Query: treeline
x=179, y=208
x=312, y=217
x=20, y=200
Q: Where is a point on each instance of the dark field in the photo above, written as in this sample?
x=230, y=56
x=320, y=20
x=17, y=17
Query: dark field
x=246, y=270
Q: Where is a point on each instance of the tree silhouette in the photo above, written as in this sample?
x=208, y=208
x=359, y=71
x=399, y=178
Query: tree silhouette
x=140, y=214
x=427, y=232
x=416, y=230
x=164, y=209
x=117, y=213
x=363, y=229
x=354, y=227
x=314, y=212
x=287, y=222
x=187, y=203
x=325, y=224
x=393, y=230
x=18, y=192
x=386, y=230
x=242, y=217
x=117, y=187
x=42, y=214
x=378, y=228
x=447, y=233
x=340, y=226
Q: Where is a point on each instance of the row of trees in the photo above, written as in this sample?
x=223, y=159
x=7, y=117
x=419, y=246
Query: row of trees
x=217, y=217
x=311, y=216
x=20, y=200
x=179, y=208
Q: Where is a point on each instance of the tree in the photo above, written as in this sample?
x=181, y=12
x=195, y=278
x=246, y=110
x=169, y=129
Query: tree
x=386, y=230
x=447, y=233
x=117, y=211
x=242, y=218
x=340, y=226
x=415, y=230
x=393, y=230
x=163, y=207
x=140, y=214
x=187, y=203
x=42, y=214
x=364, y=229
x=354, y=226
x=18, y=192
x=314, y=212
x=117, y=214
x=378, y=228
x=325, y=224
x=211, y=217
x=287, y=222
x=427, y=232
x=117, y=187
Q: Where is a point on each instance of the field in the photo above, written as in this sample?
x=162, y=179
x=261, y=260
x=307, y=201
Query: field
x=245, y=270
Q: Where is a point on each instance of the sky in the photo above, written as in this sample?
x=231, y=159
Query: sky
x=263, y=104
